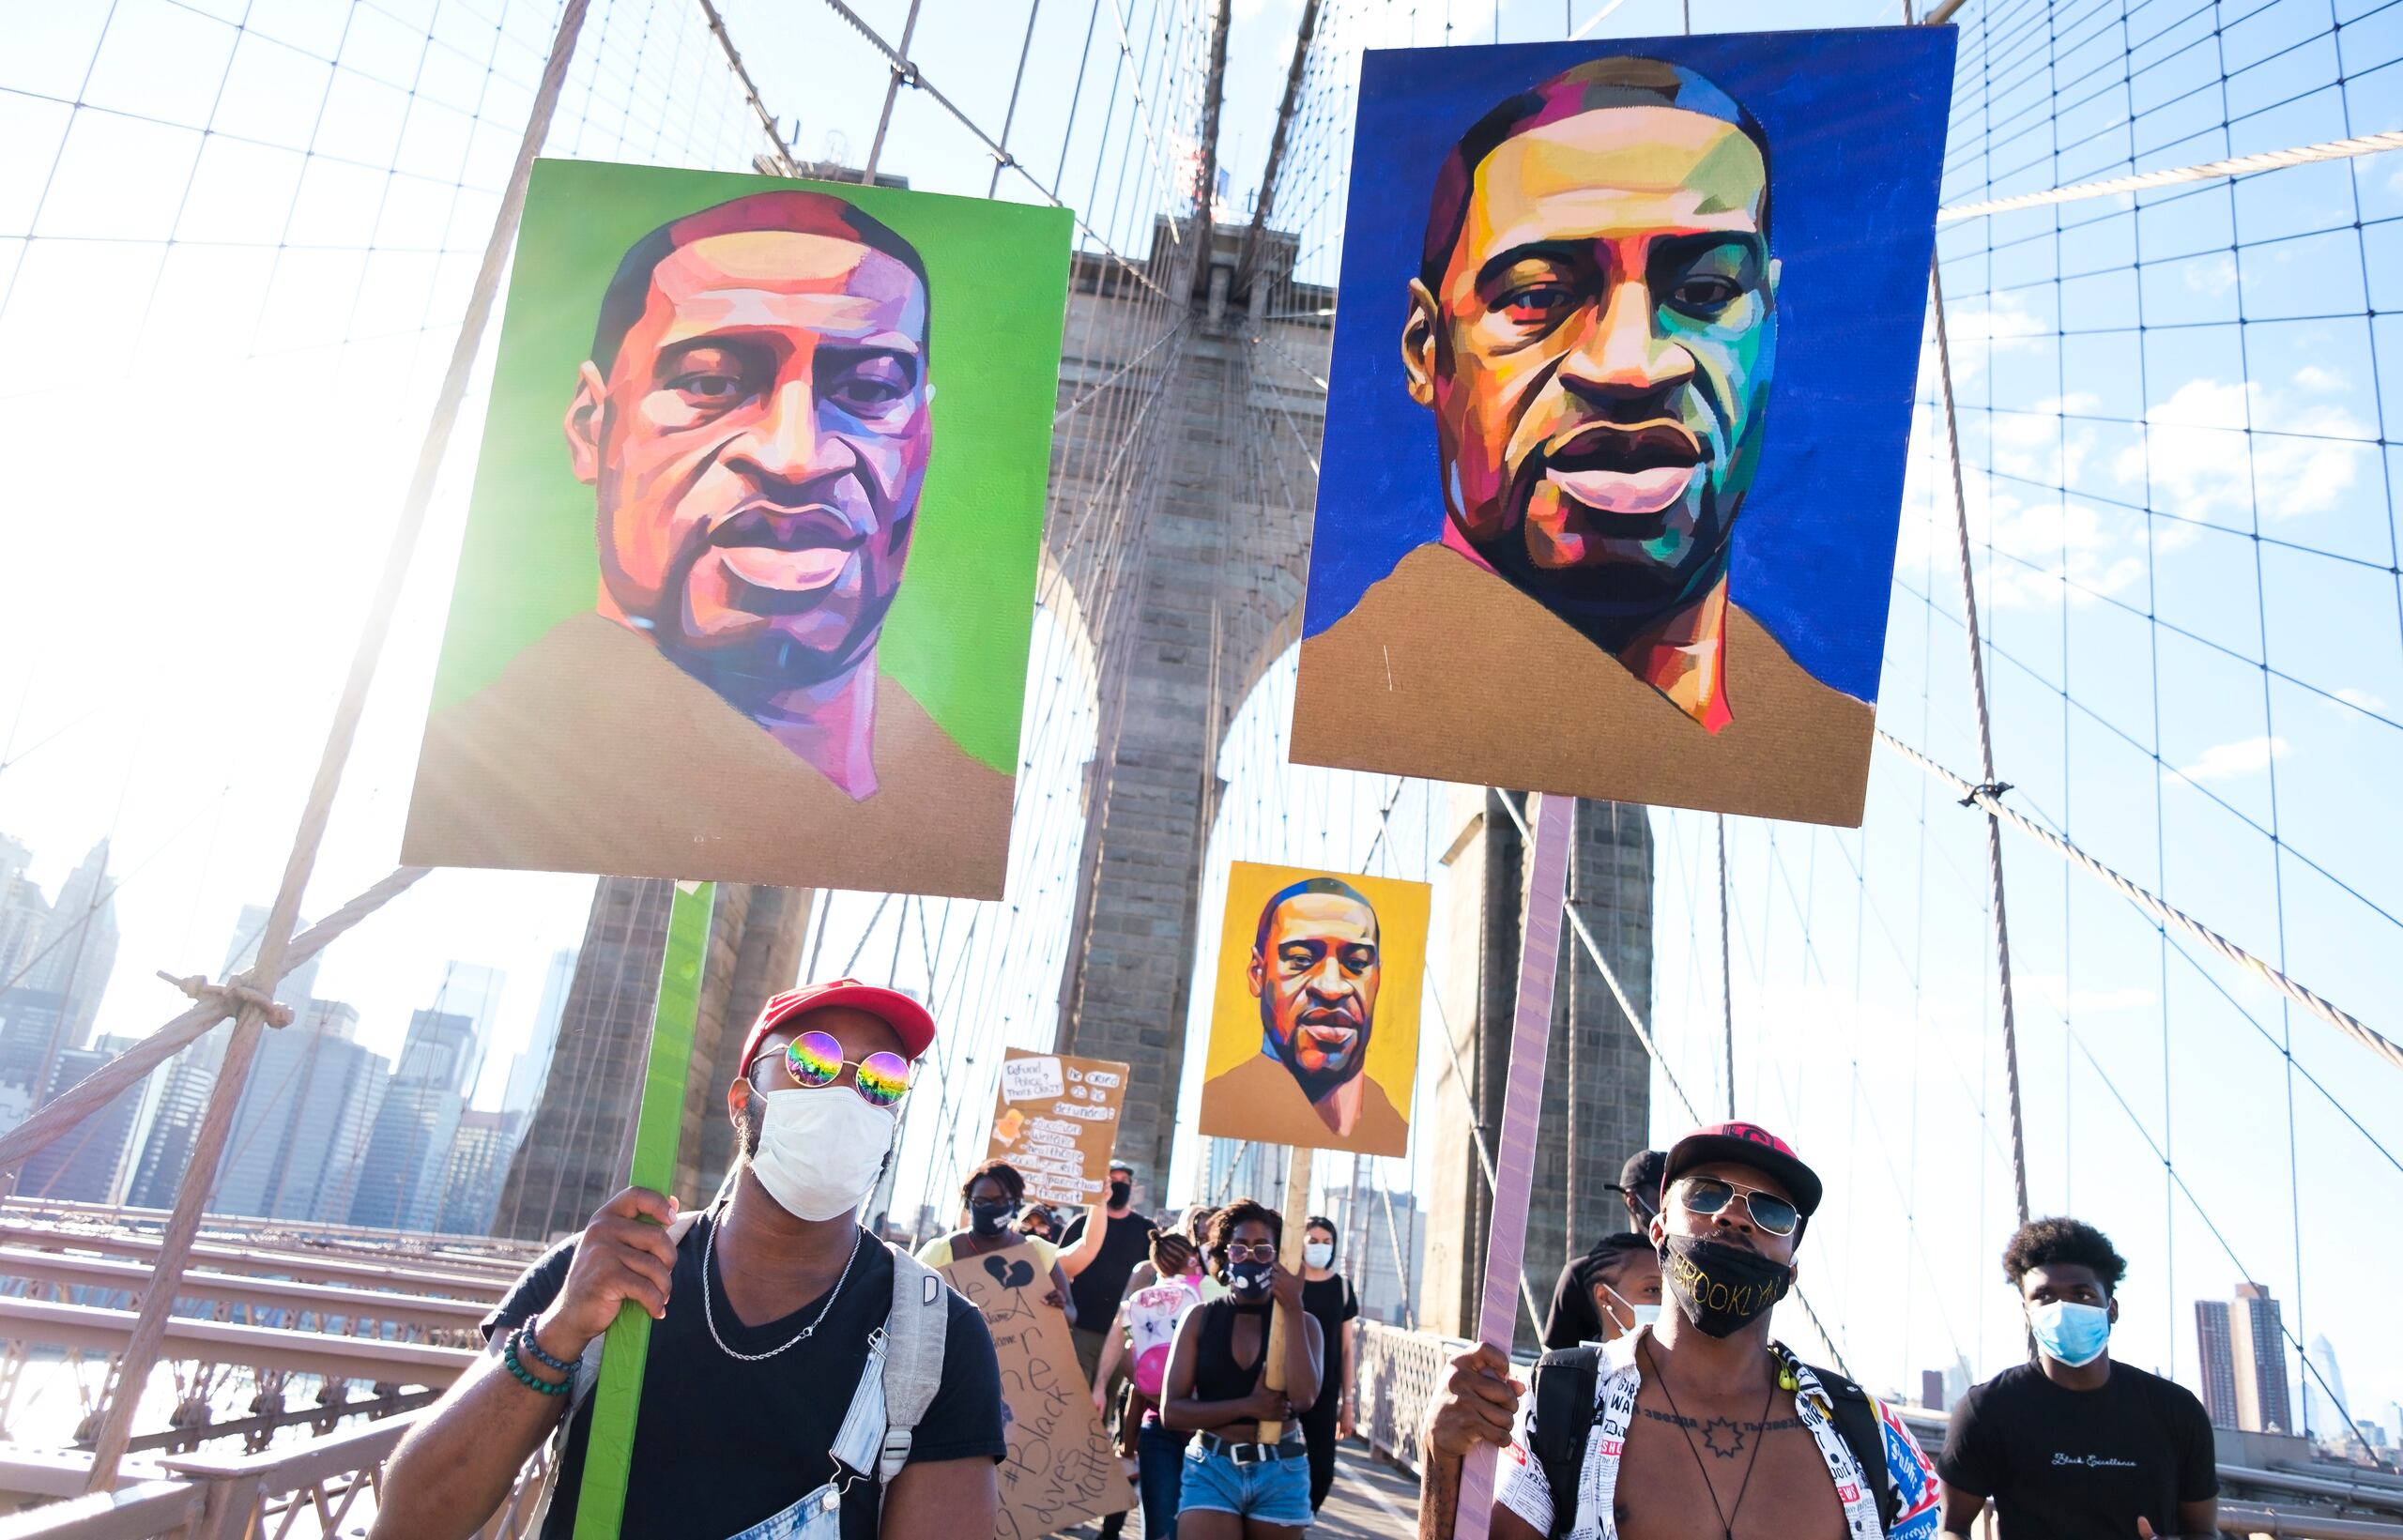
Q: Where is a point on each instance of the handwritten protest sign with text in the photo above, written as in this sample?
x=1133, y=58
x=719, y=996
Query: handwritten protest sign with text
x=1055, y=1119
x=1061, y=1469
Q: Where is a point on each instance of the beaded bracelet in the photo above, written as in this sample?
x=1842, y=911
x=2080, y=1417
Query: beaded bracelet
x=525, y=1339
x=525, y=1376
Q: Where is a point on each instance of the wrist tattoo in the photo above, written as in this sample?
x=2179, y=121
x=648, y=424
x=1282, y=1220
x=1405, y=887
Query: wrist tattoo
x=1723, y=1437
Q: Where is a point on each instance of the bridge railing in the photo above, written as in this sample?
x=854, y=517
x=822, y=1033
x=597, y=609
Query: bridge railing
x=323, y=1486
x=1400, y=1371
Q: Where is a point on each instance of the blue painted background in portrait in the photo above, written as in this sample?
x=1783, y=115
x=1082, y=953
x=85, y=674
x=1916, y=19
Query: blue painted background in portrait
x=1855, y=122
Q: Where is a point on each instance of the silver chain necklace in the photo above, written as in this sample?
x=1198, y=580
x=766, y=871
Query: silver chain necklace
x=709, y=1311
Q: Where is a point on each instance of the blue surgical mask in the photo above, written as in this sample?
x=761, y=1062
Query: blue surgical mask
x=2073, y=1335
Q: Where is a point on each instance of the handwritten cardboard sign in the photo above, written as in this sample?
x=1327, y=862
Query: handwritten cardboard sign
x=1061, y=1469
x=1056, y=1120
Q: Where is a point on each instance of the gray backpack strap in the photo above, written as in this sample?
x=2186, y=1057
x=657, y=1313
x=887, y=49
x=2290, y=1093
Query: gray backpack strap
x=915, y=1333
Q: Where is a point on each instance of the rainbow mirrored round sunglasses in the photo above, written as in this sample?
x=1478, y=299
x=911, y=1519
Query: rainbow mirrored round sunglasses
x=815, y=1059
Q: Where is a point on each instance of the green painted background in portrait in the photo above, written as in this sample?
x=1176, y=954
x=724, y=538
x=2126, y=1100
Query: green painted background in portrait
x=958, y=634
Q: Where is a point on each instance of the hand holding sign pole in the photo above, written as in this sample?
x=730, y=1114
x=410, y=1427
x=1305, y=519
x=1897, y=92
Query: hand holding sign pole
x=608, y=1459
x=1506, y=1240
x=1289, y=1256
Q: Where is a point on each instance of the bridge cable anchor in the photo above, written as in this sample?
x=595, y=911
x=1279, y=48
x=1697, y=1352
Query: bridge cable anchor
x=233, y=996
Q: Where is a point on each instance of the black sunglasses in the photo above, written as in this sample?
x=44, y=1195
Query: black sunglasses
x=1707, y=1196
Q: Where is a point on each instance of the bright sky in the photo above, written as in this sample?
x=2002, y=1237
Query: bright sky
x=194, y=546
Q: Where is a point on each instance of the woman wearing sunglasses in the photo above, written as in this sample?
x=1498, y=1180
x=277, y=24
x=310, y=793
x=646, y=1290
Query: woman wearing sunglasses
x=992, y=1198
x=1236, y=1486
x=804, y=1381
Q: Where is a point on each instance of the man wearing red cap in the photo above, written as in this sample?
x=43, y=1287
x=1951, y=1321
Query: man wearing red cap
x=804, y=1381
x=1701, y=1425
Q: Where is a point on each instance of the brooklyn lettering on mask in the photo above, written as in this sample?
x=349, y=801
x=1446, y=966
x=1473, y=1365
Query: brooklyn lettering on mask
x=1713, y=1294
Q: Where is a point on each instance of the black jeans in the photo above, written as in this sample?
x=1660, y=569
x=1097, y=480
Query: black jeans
x=1318, y=1432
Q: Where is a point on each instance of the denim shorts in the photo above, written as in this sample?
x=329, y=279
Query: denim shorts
x=1272, y=1491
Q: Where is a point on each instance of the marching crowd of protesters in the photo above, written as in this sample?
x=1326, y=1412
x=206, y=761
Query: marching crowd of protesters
x=807, y=1382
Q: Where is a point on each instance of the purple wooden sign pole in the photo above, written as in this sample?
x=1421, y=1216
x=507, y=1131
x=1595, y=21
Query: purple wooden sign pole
x=1505, y=1240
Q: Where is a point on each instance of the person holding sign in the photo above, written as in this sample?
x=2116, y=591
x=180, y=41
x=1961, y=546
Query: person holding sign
x=1235, y=1486
x=1700, y=1424
x=994, y=1193
x=1103, y=1252
x=822, y=1386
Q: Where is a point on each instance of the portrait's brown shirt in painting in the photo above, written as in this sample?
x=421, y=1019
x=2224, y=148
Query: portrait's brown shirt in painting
x=1261, y=1098
x=592, y=753
x=1444, y=670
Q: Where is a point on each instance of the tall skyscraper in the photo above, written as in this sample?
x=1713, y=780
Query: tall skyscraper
x=2217, y=1351
x=165, y=1140
x=2244, y=1352
x=531, y=1067
x=81, y=946
x=477, y=1166
x=302, y=1127
x=24, y=911
x=85, y=1165
x=1367, y=1249
x=401, y=1177
x=2323, y=1409
x=49, y=1001
x=567, y=1164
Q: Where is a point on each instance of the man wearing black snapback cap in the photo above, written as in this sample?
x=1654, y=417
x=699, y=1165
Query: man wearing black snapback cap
x=1701, y=1425
x=804, y=1382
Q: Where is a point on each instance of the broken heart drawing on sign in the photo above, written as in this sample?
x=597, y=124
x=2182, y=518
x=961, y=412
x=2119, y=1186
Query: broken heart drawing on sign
x=1009, y=1273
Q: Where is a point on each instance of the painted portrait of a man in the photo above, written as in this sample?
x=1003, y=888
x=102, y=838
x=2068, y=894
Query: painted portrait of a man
x=1595, y=330
x=755, y=421
x=1296, y=1028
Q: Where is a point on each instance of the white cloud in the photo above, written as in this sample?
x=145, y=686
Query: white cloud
x=1978, y=326
x=2312, y=378
x=2228, y=761
x=2360, y=698
x=2204, y=464
x=2214, y=277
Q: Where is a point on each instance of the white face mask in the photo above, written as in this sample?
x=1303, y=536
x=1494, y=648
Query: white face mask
x=1318, y=1253
x=821, y=1148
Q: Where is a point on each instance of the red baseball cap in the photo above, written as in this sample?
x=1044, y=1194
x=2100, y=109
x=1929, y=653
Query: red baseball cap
x=1748, y=1144
x=907, y=1017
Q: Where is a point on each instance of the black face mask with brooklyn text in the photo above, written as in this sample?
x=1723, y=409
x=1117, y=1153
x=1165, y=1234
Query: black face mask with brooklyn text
x=990, y=1217
x=1720, y=1288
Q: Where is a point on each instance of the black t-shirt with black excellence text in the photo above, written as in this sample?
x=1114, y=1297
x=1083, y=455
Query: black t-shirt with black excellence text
x=2066, y=1465
x=720, y=1444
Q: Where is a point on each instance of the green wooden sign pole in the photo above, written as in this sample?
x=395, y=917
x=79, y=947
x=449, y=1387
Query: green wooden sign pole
x=609, y=1457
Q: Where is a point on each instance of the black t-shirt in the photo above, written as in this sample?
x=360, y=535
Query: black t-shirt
x=720, y=1444
x=1571, y=1319
x=1332, y=1301
x=2069, y=1465
x=1099, y=1287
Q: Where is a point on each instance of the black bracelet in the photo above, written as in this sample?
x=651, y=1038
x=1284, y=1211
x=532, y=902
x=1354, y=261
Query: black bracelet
x=526, y=1339
x=525, y=1376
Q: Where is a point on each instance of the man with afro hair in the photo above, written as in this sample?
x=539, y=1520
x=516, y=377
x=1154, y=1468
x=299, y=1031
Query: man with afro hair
x=2072, y=1445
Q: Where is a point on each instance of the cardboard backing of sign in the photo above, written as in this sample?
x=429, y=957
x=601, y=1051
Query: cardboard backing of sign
x=1055, y=1119
x=1061, y=1469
